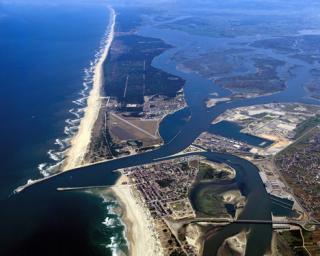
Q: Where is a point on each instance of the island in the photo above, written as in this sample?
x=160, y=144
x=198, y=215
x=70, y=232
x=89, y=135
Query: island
x=172, y=203
x=178, y=205
x=239, y=173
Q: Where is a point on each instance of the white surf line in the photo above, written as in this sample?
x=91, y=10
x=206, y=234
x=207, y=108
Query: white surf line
x=81, y=141
x=33, y=182
x=134, y=126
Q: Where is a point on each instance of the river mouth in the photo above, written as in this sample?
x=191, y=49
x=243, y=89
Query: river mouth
x=259, y=238
x=197, y=90
x=248, y=181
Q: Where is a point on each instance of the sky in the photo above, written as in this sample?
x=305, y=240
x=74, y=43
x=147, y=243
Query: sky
x=252, y=4
x=150, y=2
x=85, y=1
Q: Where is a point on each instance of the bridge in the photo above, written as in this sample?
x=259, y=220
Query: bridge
x=251, y=221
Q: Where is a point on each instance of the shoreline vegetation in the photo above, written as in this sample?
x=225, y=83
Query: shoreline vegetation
x=140, y=229
x=136, y=96
x=139, y=225
x=81, y=141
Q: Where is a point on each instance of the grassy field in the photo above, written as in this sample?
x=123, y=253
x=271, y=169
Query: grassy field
x=210, y=203
x=307, y=125
x=290, y=243
x=209, y=173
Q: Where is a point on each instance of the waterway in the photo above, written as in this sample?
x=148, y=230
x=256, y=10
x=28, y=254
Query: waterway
x=233, y=131
x=27, y=217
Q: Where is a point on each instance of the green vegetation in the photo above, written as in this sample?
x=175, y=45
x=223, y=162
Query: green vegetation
x=311, y=240
x=129, y=75
x=226, y=19
x=261, y=115
x=177, y=253
x=307, y=125
x=290, y=243
x=304, y=161
x=292, y=237
x=185, y=166
x=307, y=236
x=207, y=172
x=301, y=141
x=209, y=203
x=165, y=182
x=264, y=80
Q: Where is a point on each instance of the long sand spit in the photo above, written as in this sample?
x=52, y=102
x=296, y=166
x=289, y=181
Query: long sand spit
x=139, y=226
x=80, y=142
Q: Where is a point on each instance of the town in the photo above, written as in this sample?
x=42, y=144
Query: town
x=289, y=165
x=163, y=189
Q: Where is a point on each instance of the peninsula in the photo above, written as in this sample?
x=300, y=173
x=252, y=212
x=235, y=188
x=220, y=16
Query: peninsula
x=81, y=141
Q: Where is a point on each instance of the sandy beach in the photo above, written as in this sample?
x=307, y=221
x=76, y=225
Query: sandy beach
x=139, y=230
x=214, y=101
x=236, y=243
x=80, y=142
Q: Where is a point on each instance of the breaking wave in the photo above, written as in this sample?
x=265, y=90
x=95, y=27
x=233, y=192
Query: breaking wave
x=57, y=154
x=113, y=246
x=114, y=227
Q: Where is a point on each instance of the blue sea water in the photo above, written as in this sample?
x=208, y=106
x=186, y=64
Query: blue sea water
x=44, y=51
x=47, y=53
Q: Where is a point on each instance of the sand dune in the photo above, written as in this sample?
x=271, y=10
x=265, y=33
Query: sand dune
x=140, y=232
x=80, y=142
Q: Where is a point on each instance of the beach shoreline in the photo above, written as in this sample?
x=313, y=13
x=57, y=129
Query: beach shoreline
x=139, y=228
x=81, y=140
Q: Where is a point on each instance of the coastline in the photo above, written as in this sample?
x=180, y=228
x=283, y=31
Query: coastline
x=80, y=142
x=236, y=244
x=138, y=225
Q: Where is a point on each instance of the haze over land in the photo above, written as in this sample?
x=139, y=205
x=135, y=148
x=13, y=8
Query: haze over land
x=193, y=112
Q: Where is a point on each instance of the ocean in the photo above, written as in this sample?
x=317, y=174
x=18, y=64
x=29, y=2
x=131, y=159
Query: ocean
x=47, y=53
x=47, y=57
